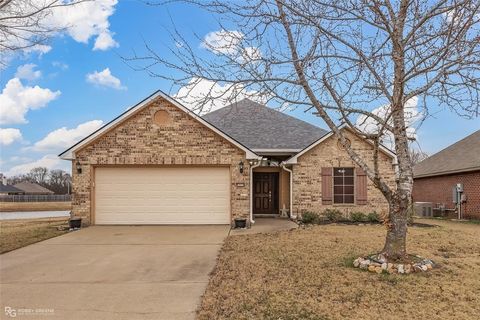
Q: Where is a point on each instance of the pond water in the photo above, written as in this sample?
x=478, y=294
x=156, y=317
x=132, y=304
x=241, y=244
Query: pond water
x=33, y=214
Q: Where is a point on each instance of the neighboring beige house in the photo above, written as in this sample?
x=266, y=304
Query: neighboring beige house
x=32, y=188
x=160, y=163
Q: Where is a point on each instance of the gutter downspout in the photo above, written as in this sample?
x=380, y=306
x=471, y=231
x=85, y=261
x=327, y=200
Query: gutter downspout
x=251, y=189
x=291, y=189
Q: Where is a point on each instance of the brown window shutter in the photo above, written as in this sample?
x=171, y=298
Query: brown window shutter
x=360, y=186
x=327, y=185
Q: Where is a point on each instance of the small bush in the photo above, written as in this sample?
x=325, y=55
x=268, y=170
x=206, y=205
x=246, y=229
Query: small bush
x=333, y=214
x=309, y=217
x=358, y=217
x=373, y=217
x=347, y=261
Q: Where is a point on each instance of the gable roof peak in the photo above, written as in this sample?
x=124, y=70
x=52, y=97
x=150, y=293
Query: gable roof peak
x=69, y=154
x=261, y=127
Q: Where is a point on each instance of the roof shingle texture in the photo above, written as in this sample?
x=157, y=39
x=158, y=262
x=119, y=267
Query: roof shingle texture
x=463, y=155
x=32, y=188
x=259, y=127
x=6, y=188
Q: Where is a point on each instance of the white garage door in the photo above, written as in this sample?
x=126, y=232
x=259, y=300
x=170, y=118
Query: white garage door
x=162, y=195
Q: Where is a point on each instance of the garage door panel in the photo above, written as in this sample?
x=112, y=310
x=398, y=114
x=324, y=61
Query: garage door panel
x=192, y=209
x=162, y=195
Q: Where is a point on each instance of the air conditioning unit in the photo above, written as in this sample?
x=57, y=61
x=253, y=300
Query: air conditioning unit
x=424, y=209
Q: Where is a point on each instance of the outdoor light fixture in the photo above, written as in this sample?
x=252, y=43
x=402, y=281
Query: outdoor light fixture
x=240, y=166
x=79, y=167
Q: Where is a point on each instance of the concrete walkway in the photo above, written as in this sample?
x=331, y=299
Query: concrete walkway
x=266, y=225
x=112, y=272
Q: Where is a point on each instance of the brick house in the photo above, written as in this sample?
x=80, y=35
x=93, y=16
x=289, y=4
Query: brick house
x=437, y=176
x=160, y=163
x=32, y=188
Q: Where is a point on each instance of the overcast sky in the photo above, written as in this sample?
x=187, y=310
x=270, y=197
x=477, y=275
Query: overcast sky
x=55, y=95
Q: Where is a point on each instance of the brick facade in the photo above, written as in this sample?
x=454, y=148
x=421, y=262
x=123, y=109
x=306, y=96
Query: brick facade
x=139, y=141
x=438, y=189
x=307, y=178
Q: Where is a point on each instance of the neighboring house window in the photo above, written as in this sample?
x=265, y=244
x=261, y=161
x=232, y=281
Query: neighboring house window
x=343, y=185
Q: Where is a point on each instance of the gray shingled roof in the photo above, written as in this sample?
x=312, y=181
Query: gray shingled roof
x=32, y=188
x=6, y=188
x=259, y=127
x=463, y=155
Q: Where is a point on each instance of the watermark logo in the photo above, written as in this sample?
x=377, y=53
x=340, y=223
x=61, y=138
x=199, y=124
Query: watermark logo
x=14, y=312
x=11, y=312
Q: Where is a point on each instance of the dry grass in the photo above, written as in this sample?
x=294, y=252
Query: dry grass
x=306, y=274
x=15, y=234
x=35, y=206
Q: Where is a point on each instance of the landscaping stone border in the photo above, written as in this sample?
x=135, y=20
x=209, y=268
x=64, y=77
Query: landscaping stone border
x=378, y=263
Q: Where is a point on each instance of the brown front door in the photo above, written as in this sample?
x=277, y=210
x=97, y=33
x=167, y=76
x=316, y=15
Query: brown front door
x=265, y=192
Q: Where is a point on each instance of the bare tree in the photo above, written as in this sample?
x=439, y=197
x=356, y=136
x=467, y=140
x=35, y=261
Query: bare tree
x=56, y=180
x=417, y=156
x=341, y=59
x=24, y=24
x=17, y=179
x=38, y=175
x=59, y=181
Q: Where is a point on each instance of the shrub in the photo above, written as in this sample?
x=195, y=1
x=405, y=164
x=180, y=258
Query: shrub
x=373, y=217
x=309, y=217
x=347, y=261
x=333, y=214
x=358, y=217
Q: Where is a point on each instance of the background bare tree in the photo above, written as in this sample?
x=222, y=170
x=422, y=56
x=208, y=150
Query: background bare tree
x=59, y=181
x=417, y=156
x=56, y=180
x=38, y=175
x=341, y=59
x=24, y=24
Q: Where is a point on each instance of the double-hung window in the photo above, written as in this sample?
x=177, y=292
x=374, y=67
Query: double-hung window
x=343, y=185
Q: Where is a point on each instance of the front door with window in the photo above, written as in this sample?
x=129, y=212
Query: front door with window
x=265, y=192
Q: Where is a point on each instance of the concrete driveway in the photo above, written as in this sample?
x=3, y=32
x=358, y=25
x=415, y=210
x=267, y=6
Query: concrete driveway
x=112, y=272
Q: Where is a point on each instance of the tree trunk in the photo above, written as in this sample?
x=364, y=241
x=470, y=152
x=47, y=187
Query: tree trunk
x=395, y=244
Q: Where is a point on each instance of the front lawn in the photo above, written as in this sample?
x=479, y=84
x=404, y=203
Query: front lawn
x=15, y=234
x=306, y=274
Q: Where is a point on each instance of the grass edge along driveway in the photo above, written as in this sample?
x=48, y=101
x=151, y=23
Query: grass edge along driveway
x=306, y=274
x=19, y=233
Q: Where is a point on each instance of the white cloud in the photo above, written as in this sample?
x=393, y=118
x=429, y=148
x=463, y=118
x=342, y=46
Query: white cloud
x=27, y=72
x=105, y=41
x=223, y=41
x=59, y=64
x=62, y=138
x=105, y=78
x=230, y=43
x=193, y=95
x=82, y=21
x=38, y=48
x=16, y=100
x=50, y=161
x=9, y=136
x=86, y=20
x=412, y=116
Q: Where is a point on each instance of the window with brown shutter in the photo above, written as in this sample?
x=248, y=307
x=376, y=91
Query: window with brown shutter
x=361, y=186
x=327, y=185
x=343, y=185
